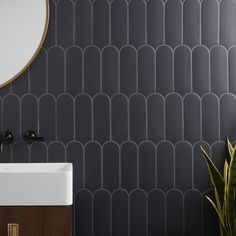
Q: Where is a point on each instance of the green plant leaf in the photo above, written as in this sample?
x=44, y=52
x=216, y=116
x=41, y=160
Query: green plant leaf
x=230, y=148
x=219, y=215
x=231, y=192
x=217, y=181
x=225, y=205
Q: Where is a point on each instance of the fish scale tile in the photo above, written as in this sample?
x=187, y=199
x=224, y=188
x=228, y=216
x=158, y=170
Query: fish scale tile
x=128, y=90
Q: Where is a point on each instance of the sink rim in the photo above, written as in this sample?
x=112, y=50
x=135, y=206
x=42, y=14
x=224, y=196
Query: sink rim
x=31, y=168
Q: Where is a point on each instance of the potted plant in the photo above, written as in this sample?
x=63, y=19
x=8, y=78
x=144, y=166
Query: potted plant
x=224, y=190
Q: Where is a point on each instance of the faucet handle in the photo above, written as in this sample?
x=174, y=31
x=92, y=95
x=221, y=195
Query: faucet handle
x=30, y=136
x=6, y=137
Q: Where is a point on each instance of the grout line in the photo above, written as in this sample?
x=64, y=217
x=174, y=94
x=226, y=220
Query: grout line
x=73, y=41
x=119, y=67
x=102, y=180
x=110, y=121
x=92, y=41
x=164, y=23
x=109, y=12
x=145, y=23
x=200, y=22
x=65, y=71
x=138, y=166
x=128, y=20
x=83, y=174
x=47, y=70
x=56, y=5
x=218, y=29
x=182, y=22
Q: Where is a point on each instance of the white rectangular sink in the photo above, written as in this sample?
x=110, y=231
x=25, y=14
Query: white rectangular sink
x=36, y=184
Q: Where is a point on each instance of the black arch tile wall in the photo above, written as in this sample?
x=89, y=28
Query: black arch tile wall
x=128, y=91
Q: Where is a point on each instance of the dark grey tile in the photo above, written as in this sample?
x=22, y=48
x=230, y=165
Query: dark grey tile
x=92, y=166
x=173, y=22
x=201, y=178
x=210, y=219
x=192, y=118
x=182, y=70
x=74, y=61
x=219, y=70
x=29, y=113
x=75, y=155
x=56, y=83
x=192, y=213
x=137, y=22
x=138, y=213
x=20, y=86
x=83, y=23
x=201, y=70
x=164, y=70
x=147, y=166
x=210, y=118
x=129, y=165
x=38, y=74
x=111, y=168
x=65, y=118
x=191, y=22
x=20, y=152
x=51, y=33
x=101, y=118
x=227, y=115
x=146, y=70
x=183, y=166
x=110, y=70
x=92, y=84
x=137, y=118
x=65, y=11
x=128, y=70
x=119, y=23
x=47, y=118
x=155, y=23
x=156, y=213
x=56, y=152
x=174, y=118
x=227, y=23
x=120, y=213
x=101, y=213
x=119, y=118
x=101, y=23
x=83, y=213
x=219, y=153
x=83, y=118
x=174, y=213
x=210, y=23
x=5, y=90
x=38, y=152
x=232, y=70
x=165, y=164
x=11, y=115
x=155, y=114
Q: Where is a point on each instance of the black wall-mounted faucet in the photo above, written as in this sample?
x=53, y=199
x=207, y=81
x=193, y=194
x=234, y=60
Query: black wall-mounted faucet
x=30, y=136
x=6, y=137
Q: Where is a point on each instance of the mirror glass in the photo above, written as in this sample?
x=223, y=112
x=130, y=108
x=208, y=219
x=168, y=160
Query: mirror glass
x=23, y=26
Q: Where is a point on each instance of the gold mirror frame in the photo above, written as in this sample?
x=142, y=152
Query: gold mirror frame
x=37, y=50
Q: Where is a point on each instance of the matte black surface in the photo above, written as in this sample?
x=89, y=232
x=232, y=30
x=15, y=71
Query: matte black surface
x=128, y=90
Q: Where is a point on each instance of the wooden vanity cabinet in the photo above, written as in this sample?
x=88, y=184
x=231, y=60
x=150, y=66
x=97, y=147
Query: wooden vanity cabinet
x=37, y=220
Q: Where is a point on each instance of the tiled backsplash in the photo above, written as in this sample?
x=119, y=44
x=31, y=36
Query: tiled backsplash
x=128, y=91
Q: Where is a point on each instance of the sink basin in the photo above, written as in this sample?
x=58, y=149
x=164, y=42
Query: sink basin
x=36, y=184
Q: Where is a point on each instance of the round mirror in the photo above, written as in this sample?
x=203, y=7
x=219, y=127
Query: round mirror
x=23, y=26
